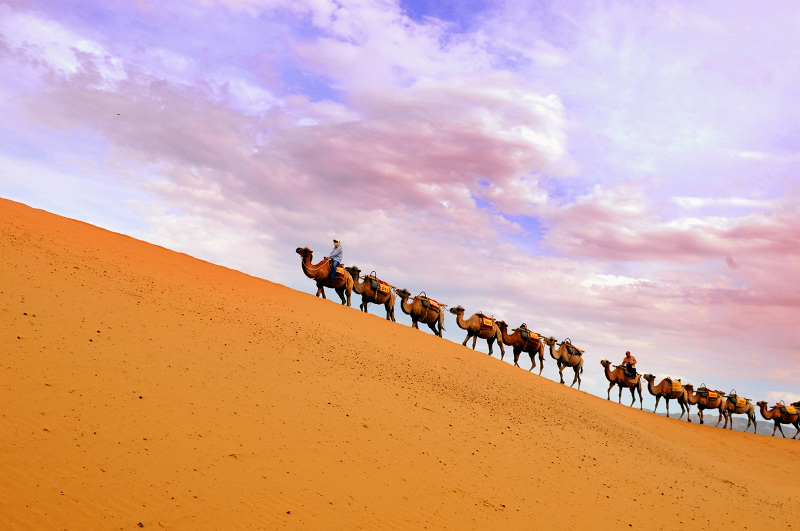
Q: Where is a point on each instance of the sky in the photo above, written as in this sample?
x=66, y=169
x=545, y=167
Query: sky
x=623, y=174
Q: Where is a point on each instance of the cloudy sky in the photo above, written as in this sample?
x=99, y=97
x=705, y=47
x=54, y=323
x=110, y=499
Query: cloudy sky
x=624, y=174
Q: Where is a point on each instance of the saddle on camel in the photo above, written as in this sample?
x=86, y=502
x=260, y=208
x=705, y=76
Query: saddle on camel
x=572, y=350
x=737, y=400
x=526, y=334
x=429, y=303
x=378, y=285
x=487, y=322
x=705, y=392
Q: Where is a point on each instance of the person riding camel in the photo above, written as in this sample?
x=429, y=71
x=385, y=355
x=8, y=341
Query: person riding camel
x=629, y=365
x=335, y=256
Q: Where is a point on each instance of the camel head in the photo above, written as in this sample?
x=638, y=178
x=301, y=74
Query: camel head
x=649, y=377
x=304, y=252
x=501, y=325
x=354, y=271
x=457, y=310
x=549, y=340
x=689, y=387
x=605, y=363
x=402, y=293
x=761, y=403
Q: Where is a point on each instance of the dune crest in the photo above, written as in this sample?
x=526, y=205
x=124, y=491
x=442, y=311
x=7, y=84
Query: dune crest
x=145, y=388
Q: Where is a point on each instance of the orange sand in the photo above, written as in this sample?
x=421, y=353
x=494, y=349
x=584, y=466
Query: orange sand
x=143, y=386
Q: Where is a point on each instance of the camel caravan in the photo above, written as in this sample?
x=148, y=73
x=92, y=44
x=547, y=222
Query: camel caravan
x=423, y=309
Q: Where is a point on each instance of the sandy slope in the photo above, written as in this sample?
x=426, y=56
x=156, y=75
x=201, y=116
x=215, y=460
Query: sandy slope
x=143, y=386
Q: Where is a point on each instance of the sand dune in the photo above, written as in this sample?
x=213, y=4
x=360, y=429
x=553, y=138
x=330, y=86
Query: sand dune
x=145, y=388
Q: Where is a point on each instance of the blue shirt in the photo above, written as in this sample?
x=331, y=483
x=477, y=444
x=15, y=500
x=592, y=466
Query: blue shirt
x=336, y=254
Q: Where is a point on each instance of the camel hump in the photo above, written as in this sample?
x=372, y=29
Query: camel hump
x=527, y=334
x=572, y=349
x=377, y=284
x=486, y=321
x=427, y=302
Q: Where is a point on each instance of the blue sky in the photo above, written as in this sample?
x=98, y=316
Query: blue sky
x=620, y=173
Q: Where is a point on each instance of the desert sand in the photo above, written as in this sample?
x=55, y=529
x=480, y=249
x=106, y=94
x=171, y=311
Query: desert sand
x=144, y=388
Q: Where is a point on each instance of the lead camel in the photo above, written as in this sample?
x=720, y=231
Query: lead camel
x=320, y=273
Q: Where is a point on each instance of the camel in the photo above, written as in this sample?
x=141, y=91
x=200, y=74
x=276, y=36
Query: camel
x=567, y=357
x=373, y=290
x=422, y=310
x=523, y=340
x=736, y=406
x=778, y=416
x=618, y=377
x=321, y=272
x=667, y=390
x=705, y=399
x=476, y=328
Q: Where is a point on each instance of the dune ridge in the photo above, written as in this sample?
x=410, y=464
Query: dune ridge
x=144, y=388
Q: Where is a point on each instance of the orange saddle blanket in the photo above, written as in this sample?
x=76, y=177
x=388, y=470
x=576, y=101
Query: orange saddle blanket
x=738, y=400
x=486, y=322
x=790, y=410
x=430, y=304
x=379, y=285
x=572, y=349
x=676, y=385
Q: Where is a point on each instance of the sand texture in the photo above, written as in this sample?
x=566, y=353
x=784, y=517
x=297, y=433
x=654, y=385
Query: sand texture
x=143, y=388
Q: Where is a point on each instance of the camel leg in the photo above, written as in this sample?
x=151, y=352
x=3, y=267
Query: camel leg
x=667, y=401
x=633, y=396
x=641, y=402
x=576, y=379
x=489, y=342
x=541, y=364
x=561, y=372
x=466, y=339
x=414, y=324
x=609, y=391
x=340, y=293
x=533, y=358
x=798, y=431
x=722, y=413
x=700, y=415
x=655, y=408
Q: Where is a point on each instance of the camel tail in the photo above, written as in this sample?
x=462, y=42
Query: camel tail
x=441, y=320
